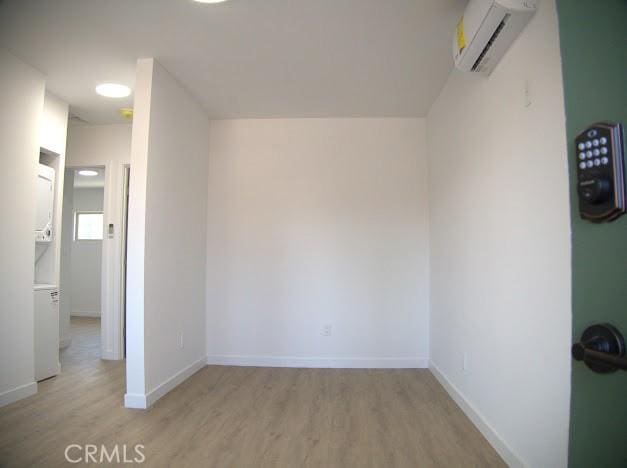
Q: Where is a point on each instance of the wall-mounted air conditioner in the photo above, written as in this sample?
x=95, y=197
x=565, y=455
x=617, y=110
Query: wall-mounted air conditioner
x=487, y=29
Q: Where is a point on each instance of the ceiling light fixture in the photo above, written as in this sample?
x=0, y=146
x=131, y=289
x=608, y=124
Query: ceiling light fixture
x=88, y=173
x=113, y=90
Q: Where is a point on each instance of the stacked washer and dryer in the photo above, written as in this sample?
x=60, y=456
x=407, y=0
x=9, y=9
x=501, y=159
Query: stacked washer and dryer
x=46, y=296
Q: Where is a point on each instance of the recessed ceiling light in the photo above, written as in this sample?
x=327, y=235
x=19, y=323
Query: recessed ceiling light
x=113, y=90
x=88, y=173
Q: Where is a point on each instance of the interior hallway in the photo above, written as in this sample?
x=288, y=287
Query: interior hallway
x=85, y=348
x=244, y=417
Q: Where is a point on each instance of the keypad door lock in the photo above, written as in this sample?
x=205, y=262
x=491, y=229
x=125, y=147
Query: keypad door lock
x=601, y=172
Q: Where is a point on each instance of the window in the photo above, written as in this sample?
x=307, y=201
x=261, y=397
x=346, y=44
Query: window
x=88, y=225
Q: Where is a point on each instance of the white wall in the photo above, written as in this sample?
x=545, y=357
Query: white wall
x=54, y=125
x=21, y=106
x=107, y=146
x=315, y=222
x=97, y=145
x=500, y=256
x=167, y=237
x=86, y=259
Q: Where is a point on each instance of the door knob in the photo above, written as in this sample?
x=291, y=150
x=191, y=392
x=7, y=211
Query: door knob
x=601, y=348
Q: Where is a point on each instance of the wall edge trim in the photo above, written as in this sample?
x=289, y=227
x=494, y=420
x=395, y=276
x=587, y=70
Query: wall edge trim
x=135, y=401
x=495, y=440
x=18, y=393
x=318, y=362
x=86, y=313
x=144, y=401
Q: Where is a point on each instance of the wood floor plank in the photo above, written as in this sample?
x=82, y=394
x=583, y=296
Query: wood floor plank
x=244, y=417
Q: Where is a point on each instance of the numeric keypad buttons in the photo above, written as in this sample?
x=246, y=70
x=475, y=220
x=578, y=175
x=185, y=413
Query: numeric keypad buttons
x=593, y=152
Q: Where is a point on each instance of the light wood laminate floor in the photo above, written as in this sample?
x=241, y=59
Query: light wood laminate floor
x=244, y=417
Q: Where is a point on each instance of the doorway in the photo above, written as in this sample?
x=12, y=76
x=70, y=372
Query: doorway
x=83, y=233
x=93, y=255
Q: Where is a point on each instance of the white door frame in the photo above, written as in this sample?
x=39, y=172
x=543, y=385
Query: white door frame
x=112, y=325
x=123, y=254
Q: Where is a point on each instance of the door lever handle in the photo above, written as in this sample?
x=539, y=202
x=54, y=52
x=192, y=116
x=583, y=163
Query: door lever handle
x=602, y=349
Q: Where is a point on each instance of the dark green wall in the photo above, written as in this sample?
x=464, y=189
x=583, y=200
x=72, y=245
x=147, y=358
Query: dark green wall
x=593, y=36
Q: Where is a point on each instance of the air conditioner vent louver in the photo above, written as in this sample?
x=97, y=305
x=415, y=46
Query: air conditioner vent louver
x=75, y=119
x=477, y=66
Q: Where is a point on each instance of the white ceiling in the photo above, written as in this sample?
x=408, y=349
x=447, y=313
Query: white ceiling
x=243, y=58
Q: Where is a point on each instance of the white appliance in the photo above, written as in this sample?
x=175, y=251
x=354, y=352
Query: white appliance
x=46, y=298
x=45, y=203
x=487, y=29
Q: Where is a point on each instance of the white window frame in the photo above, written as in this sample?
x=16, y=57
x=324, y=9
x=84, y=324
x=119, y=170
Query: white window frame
x=76, y=216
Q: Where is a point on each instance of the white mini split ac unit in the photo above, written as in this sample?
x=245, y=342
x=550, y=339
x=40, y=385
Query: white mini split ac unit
x=487, y=29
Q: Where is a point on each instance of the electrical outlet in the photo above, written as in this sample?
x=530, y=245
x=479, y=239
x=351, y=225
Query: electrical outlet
x=180, y=340
x=327, y=330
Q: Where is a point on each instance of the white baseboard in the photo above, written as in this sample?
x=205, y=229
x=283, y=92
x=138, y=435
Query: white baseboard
x=85, y=313
x=15, y=394
x=318, y=362
x=135, y=401
x=478, y=420
x=110, y=355
x=139, y=401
